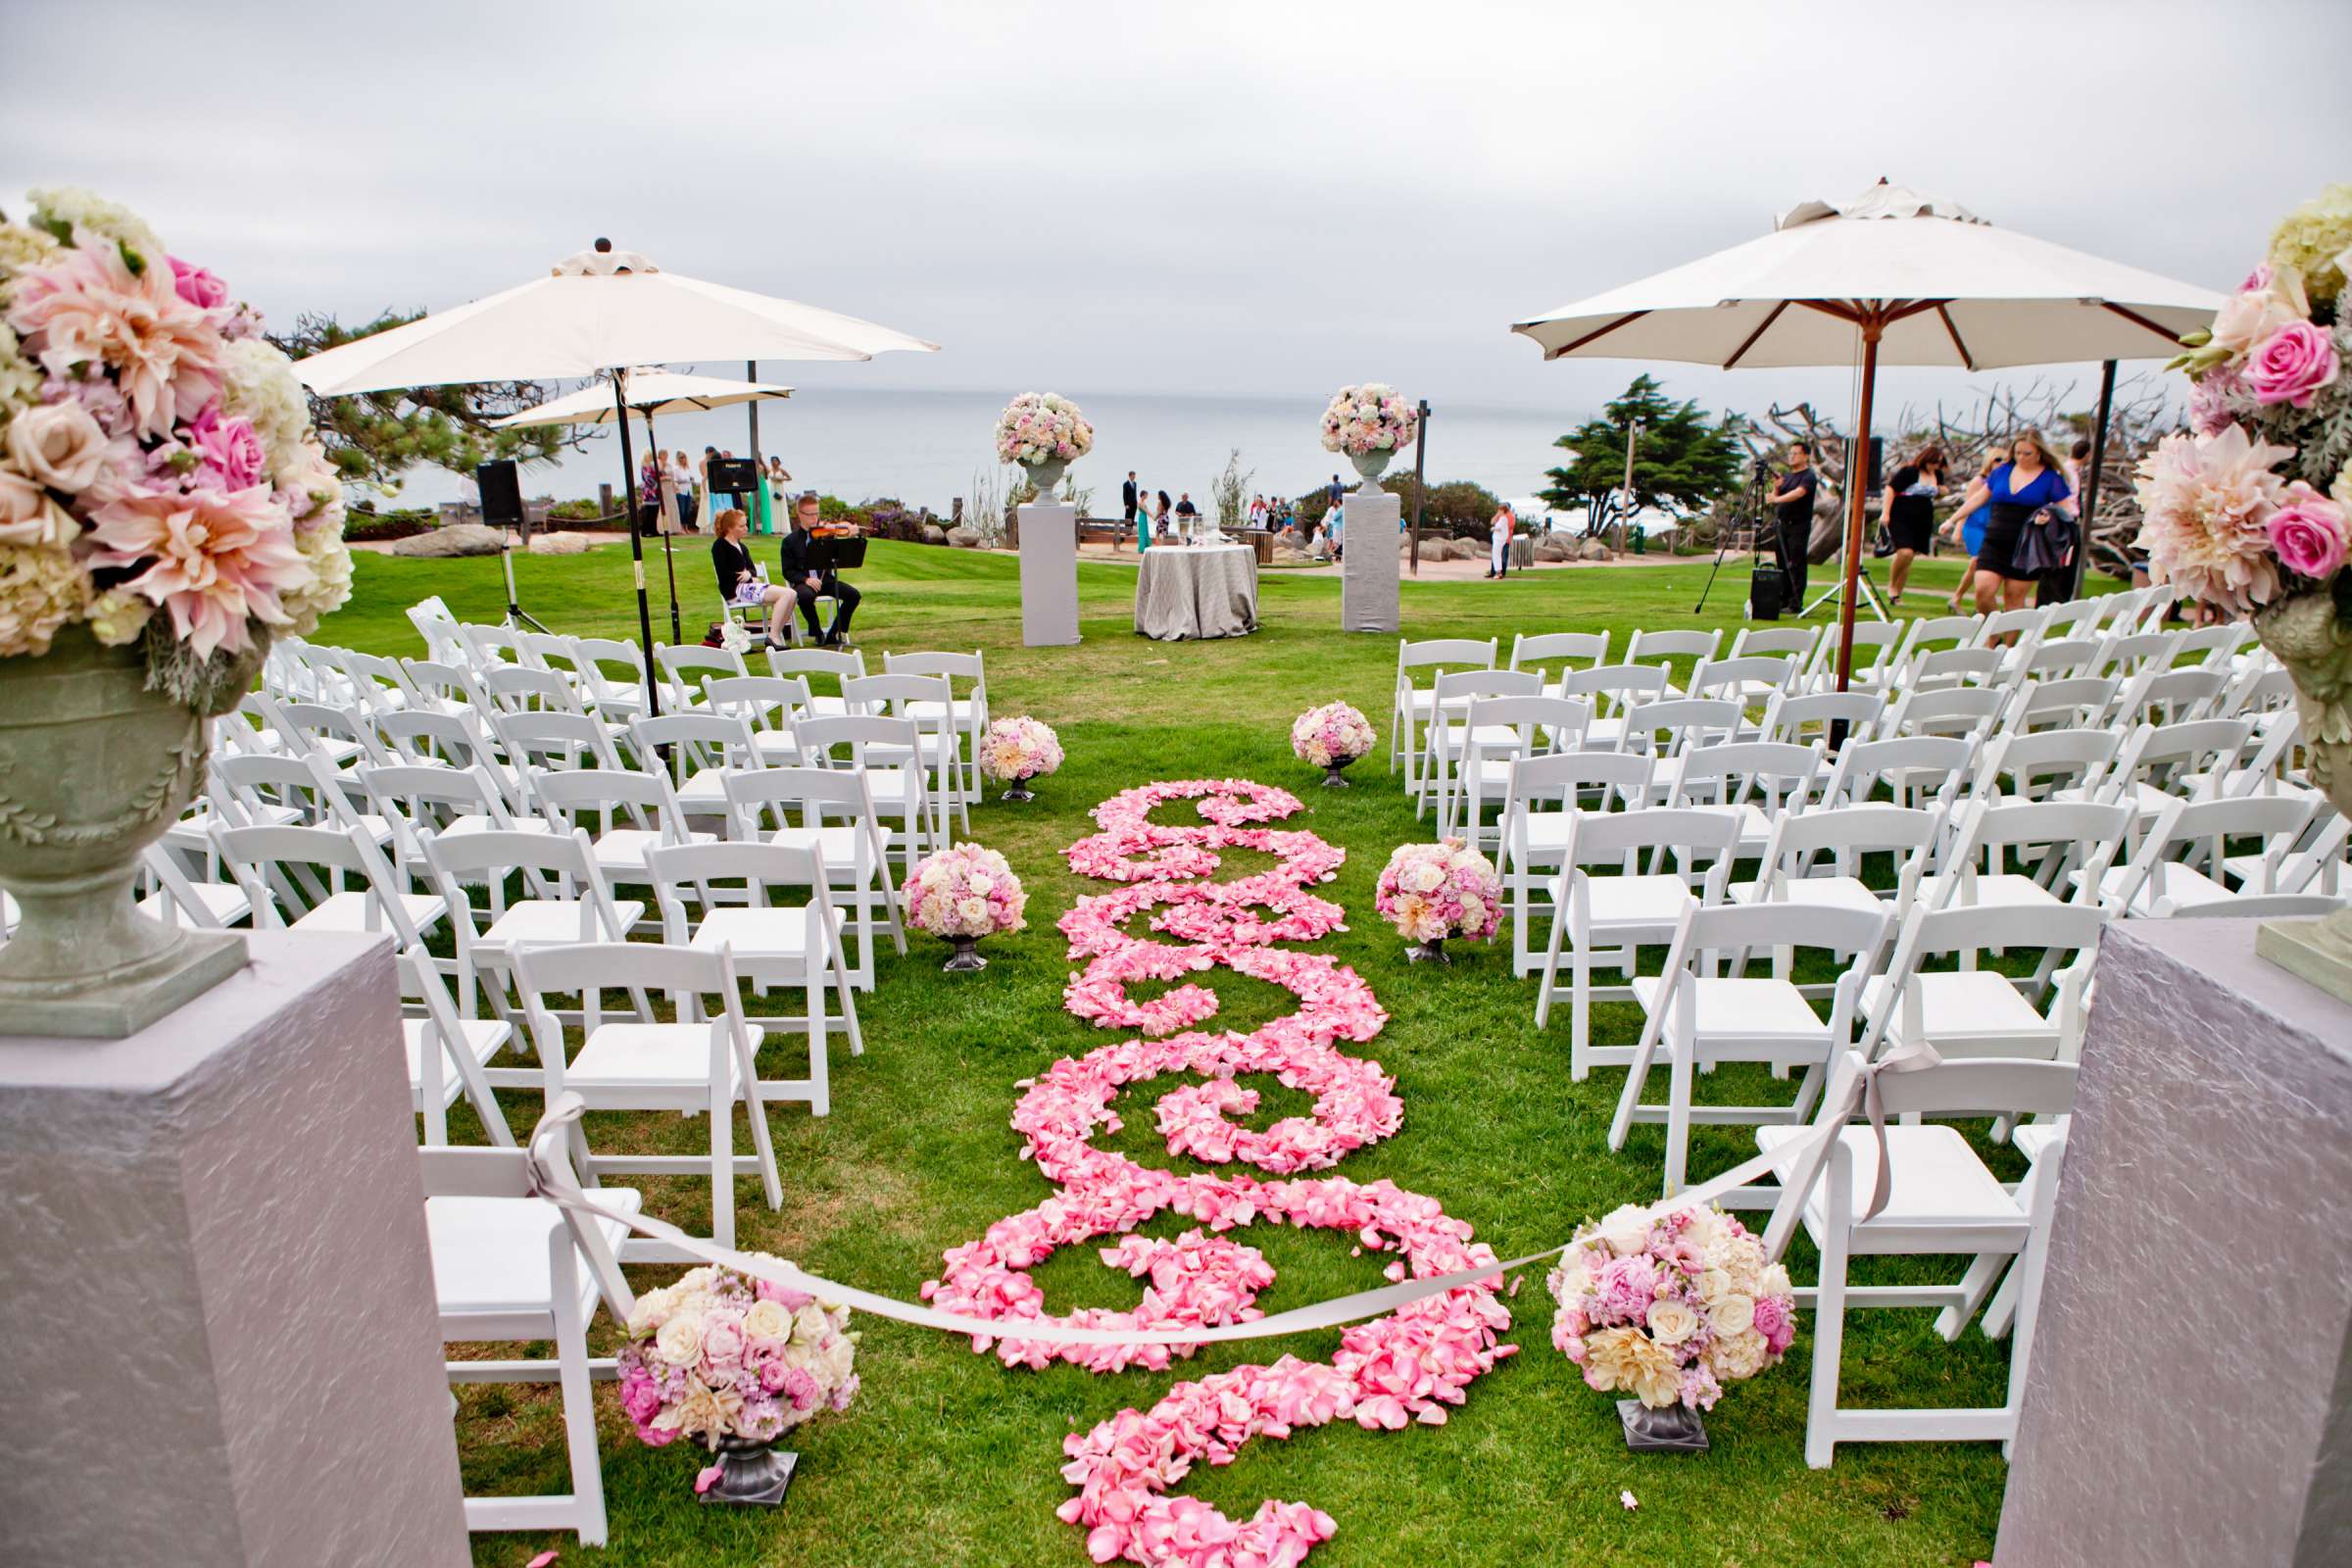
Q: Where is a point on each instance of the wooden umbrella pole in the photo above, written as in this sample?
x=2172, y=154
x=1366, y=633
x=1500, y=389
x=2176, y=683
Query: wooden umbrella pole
x=1873, y=324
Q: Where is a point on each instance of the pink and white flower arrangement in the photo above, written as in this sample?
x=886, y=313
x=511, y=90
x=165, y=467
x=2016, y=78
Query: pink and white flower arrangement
x=1014, y=751
x=967, y=891
x=1433, y=891
x=2251, y=509
x=1669, y=1310
x=722, y=1354
x=1332, y=736
x=1039, y=427
x=1362, y=422
x=160, y=481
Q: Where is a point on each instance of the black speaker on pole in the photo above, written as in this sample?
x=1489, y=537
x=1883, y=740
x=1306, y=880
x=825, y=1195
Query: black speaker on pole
x=502, y=493
x=1878, y=464
x=734, y=476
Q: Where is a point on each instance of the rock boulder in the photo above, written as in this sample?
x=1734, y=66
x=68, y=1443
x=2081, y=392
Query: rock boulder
x=456, y=539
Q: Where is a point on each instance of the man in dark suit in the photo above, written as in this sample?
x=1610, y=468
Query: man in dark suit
x=808, y=584
x=1127, y=498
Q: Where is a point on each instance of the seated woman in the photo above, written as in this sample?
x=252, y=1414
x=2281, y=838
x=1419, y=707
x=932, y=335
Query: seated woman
x=739, y=579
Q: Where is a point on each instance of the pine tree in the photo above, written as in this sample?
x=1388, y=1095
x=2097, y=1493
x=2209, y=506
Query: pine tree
x=1683, y=457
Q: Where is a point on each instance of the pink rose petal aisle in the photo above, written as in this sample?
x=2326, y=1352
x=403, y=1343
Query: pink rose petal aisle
x=1406, y=1367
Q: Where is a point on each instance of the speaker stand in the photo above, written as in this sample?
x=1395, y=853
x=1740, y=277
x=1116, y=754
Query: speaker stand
x=1866, y=593
x=515, y=613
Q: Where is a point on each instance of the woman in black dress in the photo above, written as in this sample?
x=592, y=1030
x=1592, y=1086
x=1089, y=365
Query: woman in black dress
x=1909, y=507
x=739, y=579
x=2015, y=491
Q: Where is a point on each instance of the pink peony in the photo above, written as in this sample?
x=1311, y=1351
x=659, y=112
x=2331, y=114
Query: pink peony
x=2308, y=530
x=198, y=287
x=86, y=306
x=228, y=448
x=1776, y=1322
x=217, y=560
x=1624, y=1288
x=2291, y=364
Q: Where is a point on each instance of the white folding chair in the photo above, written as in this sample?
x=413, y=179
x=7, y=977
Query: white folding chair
x=681, y=668
x=624, y=815
x=1555, y=653
x=1804, y=719
x=965, y=716
x=449, y=1056
x=564, y=901
x=1472, y=742
x=701, y=748
x=883, y=750
x=1613, y=690
x=1755, y=782
x=332, y=879
x=1411, y=706
x=2185, y=862
x=821, y=668
x=837, y=823
x=2049, y=841
x=936, y=755
x=1545, y=791
x=1973, y=1011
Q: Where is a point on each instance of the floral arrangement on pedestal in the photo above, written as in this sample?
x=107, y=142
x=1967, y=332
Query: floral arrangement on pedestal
x=1331, y=737
x=2251, y=512
x=963, y=894
x=165, y=512
x=1016, y=751
x=1369, y=425
x=1671, y=1308
x=1043, y=432
x=734, y=1362
x=1433, y=891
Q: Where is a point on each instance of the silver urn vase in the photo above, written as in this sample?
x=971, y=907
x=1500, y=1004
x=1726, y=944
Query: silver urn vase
x=2314, y=641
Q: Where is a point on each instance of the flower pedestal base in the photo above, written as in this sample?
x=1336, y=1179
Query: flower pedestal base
x=1430, y=951
x=966, y=956
x=1019, y=792
x=1334, y=776
x=751, y=1474
x=1675, y=1428
x=2316, y=951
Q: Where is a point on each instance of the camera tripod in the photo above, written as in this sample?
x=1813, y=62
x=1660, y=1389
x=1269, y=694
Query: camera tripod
x=1747, y=514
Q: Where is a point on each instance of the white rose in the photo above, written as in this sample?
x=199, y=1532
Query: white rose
x=58, y=444
x=648, y=1312
x=974, y=910
x=680, y=1342
x=766, y=1320
x=1626, y=1229
x=1423, y=876
x=1774, y=1281
x=27, y=516
x=834, y=1361
x=1732, y=1314
x=1671, y=1322
x=1714, y=1284
x=810, y=1323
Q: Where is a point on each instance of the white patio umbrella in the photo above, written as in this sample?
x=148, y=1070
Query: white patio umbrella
x=597, y=311
x=1906, y=279
x=647, y=391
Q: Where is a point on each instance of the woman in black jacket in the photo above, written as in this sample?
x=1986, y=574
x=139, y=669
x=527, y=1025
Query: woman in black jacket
x=739, y=579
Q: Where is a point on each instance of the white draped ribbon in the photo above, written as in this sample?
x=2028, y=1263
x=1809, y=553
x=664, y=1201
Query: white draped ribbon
x=552, y=1181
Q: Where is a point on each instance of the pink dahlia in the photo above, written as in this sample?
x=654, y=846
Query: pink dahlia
x=2207, y=503
x=86, y=306
x=216, y=559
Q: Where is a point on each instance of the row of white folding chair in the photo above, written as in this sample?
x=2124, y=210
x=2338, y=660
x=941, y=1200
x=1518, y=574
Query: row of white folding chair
x=910, y=799
x=2210, y=856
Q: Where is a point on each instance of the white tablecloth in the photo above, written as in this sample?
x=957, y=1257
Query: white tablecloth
x=1185, y=591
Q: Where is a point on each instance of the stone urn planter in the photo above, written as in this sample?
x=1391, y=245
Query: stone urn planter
x=1370, y=465
x=1046, y=476
x=93, y=768
x=2308, y=635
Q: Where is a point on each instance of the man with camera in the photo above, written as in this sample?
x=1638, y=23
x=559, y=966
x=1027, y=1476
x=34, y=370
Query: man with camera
x=1793, y=514
x=810, y=581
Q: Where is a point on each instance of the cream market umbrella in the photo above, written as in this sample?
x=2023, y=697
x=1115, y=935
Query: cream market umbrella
x=596, y=311
x=1909, y=278
x=649, y=391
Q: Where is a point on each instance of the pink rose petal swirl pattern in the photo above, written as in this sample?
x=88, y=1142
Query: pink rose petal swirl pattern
x=1409, y=1366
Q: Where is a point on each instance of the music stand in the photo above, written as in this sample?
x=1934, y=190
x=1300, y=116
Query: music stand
x=830, y=555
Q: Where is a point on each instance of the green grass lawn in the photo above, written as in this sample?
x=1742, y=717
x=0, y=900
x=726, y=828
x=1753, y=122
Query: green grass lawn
x=947, y=1456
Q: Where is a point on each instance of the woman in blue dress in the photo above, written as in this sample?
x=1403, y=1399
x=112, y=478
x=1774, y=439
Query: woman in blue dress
x=1967, y=529
x=2011, y=495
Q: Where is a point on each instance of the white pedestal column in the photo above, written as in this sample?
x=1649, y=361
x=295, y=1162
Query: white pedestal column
x=1368, y=574
x=1049, y=575
x=213, y=1258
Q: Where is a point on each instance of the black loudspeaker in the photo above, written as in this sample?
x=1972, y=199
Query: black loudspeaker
x=1767, y=592
x=502, y=493
x=1878, y=464
x=734, y=476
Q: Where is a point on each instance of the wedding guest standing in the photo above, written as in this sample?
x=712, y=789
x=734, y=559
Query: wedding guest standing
x=771, y=493
x=1909, y=507
x=689, y=496
x=2014, y=491
x=1127, y=497
x=1969, y=531
x=1498, y=539
x=1792, y=512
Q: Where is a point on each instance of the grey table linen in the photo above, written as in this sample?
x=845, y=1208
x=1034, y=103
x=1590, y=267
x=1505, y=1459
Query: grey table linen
x=1185, y=592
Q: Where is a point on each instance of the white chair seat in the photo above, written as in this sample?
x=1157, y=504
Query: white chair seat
x=620, y=851
x=224, y=902
x=2184, y=887
x=482, y=823
x=349, y=912
x=1755, y=827
x=1817, y=892
x=777, y=748
x=959, y=712
x=649, y=1056
x=1964, y=1005
x=2004, y=889
x=1651, y=900
x=1934, y=1182
x=490, y=1255
x=706, y=792
x=556, y=922
x=1744, y=1008
x=837, y=847
x=890, y=787
x=760, y=936
x=2147, y=798
x=485, y=1038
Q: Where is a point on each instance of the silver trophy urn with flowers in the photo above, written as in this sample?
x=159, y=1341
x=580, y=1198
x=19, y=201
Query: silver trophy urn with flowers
x=2251, y=512
x=165, y=511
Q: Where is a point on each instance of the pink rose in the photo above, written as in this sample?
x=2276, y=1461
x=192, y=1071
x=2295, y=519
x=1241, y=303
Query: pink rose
x=198, y=287
x=228, y=447
x=2291, y=364
x=2308, y=530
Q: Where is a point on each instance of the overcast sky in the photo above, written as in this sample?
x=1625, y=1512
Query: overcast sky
x=1199, y=198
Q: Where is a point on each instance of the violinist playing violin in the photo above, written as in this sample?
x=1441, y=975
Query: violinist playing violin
x=808, y=582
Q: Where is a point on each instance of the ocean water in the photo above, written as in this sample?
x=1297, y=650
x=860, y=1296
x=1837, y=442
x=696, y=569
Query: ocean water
x=926, y=448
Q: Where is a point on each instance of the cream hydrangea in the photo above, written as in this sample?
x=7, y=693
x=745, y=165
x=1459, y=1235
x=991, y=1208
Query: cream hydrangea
x=41, y=590
x=2315, y=241
x=330, y=587
x=20, y=377
x=258, y=382
x=21, y=247
x=118, y=617
x=74, y=207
